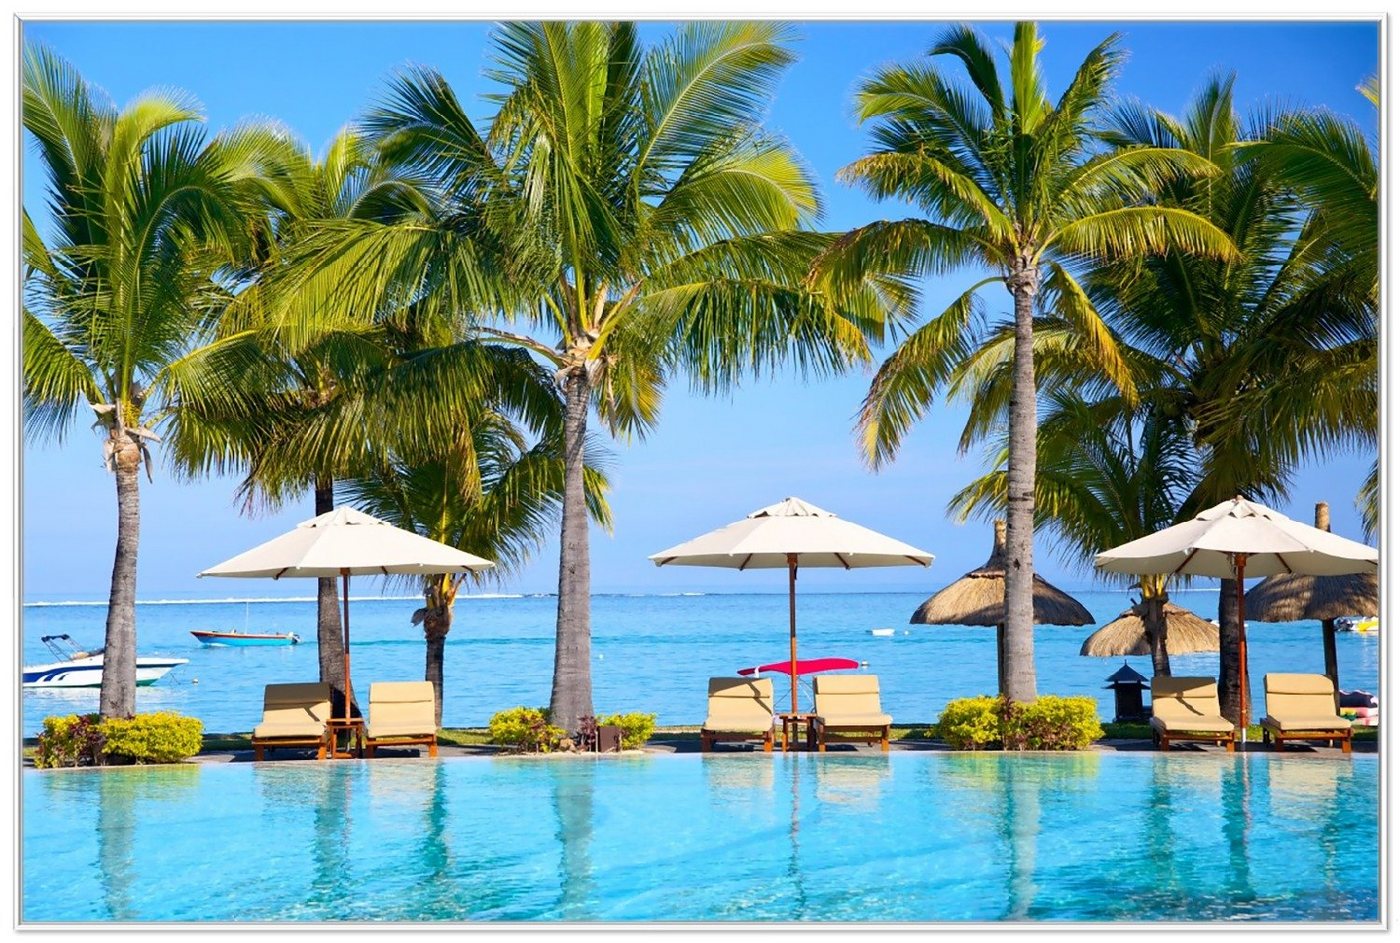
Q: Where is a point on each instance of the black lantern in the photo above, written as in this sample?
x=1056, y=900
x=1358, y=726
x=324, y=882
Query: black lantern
x=1127, y=686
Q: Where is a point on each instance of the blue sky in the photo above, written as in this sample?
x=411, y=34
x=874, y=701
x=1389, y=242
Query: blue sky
x=713, y=459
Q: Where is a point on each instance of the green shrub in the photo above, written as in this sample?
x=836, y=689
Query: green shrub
x=636, y=728
x=969, y=723
x=69, y=740
x=526, y=729
x=160, y=737
x=1049, y=722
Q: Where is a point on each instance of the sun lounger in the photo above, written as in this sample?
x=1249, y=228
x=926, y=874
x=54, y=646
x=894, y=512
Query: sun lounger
x=1303, y=707
x=401, y=713
x=740, y=709
x=294, y=715
x=849, y=707
x=1188, y=709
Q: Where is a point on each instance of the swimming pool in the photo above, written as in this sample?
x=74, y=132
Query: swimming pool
x=898, y=837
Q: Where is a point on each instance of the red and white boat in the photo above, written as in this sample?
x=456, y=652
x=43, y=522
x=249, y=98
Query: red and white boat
x=235, y=638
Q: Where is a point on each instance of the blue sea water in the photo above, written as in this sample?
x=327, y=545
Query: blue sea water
x=839, y=837
x=650, y=653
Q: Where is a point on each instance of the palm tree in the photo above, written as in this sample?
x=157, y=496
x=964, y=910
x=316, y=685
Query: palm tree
x=1105, y=475
x=1011, y=183
x=147, y=223
x=1330, y=162
x=491, y=493
x=1263, y=357
x=277, y=383
x=624, y=219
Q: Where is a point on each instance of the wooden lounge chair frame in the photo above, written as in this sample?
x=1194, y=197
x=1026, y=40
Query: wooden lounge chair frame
x=866, y=686
x=760, y=690
x=1169, y=687
x=322, y=742
x=401, y=688
x=1277, y=736
x=708, y=739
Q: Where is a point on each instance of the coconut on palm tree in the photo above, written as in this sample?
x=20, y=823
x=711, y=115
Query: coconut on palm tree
x=126, y=269
x=1018, y=186
x=625, y=218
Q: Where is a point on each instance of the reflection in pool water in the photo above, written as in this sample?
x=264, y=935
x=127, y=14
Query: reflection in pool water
x=901, y=837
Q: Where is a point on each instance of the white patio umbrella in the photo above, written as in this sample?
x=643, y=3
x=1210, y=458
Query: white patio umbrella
x=1238, y=539
x=790, y=534
x=347, y=542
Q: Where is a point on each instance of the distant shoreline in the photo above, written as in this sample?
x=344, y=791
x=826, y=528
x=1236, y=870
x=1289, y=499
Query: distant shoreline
x=260, y=600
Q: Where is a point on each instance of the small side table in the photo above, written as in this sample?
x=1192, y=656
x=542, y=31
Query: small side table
x=792, y=723
x=354, y=727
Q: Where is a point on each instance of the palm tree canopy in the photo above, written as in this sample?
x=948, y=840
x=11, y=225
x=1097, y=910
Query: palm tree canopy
x=624, y=207
x=1269, y=356
x=148, y=228
x=1009, y=181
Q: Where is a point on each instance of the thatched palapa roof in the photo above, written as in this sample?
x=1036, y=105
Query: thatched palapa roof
x=1293, y=598
x=1127, y=635
x=979, y=597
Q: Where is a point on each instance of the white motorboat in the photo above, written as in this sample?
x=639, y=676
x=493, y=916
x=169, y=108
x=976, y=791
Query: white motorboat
x=74, y=668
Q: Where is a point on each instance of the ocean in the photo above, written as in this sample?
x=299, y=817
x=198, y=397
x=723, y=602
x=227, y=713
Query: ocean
x=651, y=653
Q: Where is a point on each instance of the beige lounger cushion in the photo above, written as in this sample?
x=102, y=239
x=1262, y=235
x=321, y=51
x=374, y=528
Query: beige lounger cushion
x=1187, y=705
x=294, y=711
x=850, y=701
x=1192, y=725
x=740, y=705
x=1288, y=724
x=1297, y=702
x=401, y=709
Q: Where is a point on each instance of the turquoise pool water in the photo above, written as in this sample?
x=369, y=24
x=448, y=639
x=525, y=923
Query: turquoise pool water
x=904, y=837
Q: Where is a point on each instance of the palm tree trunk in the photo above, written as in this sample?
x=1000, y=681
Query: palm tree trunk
x=1329, y=651
x=1229, y=619
x=1020, y=482
x=330, y=642
x=1001, y=659
x=117, y=697
x=436, y=624
x=572, y=694
x=1155, y=621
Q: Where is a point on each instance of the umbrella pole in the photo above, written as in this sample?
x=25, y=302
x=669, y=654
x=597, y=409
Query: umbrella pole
x=1244, y=673
x=792, y=623
x=345, y=602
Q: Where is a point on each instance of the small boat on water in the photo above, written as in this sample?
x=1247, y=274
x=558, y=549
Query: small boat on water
x=75, y=668
x=1364, y=624
x=234, y=637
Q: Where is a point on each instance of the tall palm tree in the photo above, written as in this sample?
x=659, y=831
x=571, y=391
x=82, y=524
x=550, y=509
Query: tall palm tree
x=277, y=383
x=1105, y=475
x=1263, y=357
x=624, y=219
x=491, y=493
x=144, y=226
x=1011, y=183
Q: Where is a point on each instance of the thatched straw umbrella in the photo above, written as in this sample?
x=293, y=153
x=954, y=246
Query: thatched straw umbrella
x=979, y=598
x=1187, y=633
x=1291, y=597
